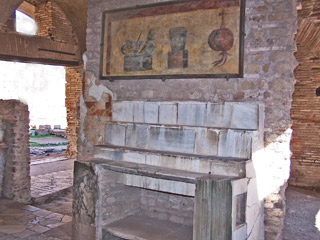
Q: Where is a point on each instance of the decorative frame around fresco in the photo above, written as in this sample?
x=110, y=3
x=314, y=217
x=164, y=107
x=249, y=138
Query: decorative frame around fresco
x=105, y=40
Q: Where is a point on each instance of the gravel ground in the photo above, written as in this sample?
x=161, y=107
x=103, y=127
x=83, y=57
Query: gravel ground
x=303, y=215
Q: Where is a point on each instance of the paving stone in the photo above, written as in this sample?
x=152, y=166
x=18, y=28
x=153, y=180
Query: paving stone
x=11, y=229
x=66, y=219
x=55, y=216
x=42, y=213
x=26, y=233
x=39, y=229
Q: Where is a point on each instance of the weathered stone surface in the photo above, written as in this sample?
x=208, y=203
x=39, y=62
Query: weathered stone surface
x=85, y=193
x=137, y=136
x=206, y=142
x=115, y=134
x=235, y=144
x=14, y=147
x=214, y=201
x=193, y=164
x=145, y=112
x=191, y=114
x=122, y=111
x=171, y=139
x=245, y=116
x=168, y=113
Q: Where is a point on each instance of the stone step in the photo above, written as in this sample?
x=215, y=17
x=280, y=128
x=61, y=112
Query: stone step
x=146, y=228
x=186, y=162
x=163, y=179
x=191, y=140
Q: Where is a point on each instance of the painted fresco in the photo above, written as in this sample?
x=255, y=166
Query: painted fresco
x=190, y=38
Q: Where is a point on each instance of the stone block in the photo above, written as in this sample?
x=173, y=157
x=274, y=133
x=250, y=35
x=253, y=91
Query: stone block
x=233, y=143
x=136, y=136
x=193, y=114
x=245, y=116
x=145, y=112
x=181, y=188
x=206, y=141
x=122, y=111
x=219, y=115
x=134, y=157
x=115, y=134
x=171, y=139
x=240, y=233
x=168, y=113
x=106, y=153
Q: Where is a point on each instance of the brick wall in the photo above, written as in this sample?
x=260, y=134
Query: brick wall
x=14, y=116
x=268, y=79
x=53, y=23
x=9, y=26
x=305, y=112
x=73, y=92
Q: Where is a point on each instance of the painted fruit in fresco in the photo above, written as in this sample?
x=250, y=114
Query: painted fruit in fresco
x=221, y=40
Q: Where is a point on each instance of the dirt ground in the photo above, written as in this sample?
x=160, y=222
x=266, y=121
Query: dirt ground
x=303, y=215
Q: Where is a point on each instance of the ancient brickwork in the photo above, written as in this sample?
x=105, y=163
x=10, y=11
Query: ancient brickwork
x=268, y=80
x=73, y=93
x=169, y=207
x=9, y=26
x=53, y=23
x=15, y=158
x=305, y=112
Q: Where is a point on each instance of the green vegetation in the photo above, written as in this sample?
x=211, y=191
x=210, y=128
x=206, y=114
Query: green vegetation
x=35, y=144
x=41, y=136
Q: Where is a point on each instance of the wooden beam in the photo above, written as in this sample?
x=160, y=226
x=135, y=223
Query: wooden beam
x=16, y=47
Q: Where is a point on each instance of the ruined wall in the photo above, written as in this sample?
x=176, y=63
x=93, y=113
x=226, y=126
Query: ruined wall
x=73, y=93
x=268, y=79
x=15, y=158
x=305, y=112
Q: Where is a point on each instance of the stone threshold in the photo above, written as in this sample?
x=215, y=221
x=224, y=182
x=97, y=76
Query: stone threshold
x=139, y=227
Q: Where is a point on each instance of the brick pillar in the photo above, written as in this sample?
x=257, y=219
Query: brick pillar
x=73, y=92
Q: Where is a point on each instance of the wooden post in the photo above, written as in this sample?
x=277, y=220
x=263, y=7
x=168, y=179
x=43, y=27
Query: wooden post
x=213, y=210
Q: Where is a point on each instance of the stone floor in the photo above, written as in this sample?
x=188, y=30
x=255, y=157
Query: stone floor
x=20, y=221
x=303, y=215
x=49, y=183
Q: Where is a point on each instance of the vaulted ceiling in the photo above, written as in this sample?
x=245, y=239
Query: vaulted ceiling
x=75, y=10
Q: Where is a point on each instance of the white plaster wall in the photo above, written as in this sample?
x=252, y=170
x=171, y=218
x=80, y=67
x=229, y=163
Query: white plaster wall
x=42, y=87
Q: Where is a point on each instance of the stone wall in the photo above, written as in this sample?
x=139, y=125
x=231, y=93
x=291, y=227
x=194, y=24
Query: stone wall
x=268, y=79
x=14, y=117
x=73, y=93
x=305, y=112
